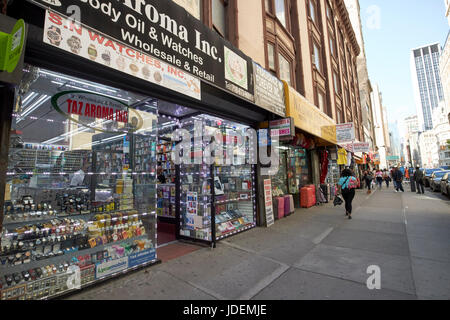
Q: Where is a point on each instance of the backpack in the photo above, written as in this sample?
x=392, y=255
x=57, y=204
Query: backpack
x=353, y=183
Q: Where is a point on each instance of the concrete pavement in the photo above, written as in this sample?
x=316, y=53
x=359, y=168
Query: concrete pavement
x=313, y=254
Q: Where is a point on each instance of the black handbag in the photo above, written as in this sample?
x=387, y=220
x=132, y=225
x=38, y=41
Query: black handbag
x=338, y=201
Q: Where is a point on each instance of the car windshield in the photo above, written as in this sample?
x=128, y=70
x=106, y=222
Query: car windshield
x=440, y=174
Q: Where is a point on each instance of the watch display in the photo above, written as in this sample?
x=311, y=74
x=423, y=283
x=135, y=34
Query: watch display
x=78, y=197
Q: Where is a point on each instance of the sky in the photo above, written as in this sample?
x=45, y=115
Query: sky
x=391, y=28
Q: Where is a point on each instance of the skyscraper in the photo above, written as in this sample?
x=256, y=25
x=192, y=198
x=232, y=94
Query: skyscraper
x=426, y=83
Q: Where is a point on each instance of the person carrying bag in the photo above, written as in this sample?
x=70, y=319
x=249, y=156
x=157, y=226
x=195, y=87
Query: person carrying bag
x=347, y=185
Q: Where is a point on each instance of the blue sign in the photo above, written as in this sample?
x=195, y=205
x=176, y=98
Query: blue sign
x=141, y=257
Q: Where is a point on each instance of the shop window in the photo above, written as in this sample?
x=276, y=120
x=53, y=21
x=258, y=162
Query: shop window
x=285, y=69
x=226, y=192
x=219, y=17
x=317, y=57
x=81, y=178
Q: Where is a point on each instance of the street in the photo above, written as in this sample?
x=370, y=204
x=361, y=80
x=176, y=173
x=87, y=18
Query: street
x=313, y=254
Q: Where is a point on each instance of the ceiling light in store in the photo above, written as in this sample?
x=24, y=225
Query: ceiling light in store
x=29, y=97
x=33, y=107
x=77, y=81
x=74, y=87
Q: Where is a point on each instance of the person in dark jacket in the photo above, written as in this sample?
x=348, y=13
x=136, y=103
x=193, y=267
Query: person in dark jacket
x=368, y=177
x=418, y=177
x=398, y=178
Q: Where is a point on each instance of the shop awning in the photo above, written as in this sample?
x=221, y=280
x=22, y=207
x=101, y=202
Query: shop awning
x=309, y=118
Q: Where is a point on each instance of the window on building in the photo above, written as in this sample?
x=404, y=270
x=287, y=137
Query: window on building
x=271, y=56
x=317, y=57
x=337, y=83
x=285, y=69
x=219, y=17
x=347, y=98
x=269, y=6
x=341, y=39
x=313, y=11
x=329, y=12
x=332, y=46
x=280, y=11
x=339, y=118
x=321, y=100
x=191, y=6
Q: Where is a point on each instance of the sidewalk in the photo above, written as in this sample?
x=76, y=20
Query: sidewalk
x=313, y=254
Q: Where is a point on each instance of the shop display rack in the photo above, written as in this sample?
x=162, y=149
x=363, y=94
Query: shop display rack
x=52, y=227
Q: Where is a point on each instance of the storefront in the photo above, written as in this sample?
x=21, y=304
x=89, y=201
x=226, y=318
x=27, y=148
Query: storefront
x=294, y=161
x=92, y=186
x=318, y=132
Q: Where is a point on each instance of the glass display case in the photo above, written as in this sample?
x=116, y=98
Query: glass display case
x=234, y=199
x=279, y=179
x=298, y=172
x=218, y=199
x=80, y=187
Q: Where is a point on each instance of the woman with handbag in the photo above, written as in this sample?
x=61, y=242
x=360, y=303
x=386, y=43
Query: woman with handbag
x=347, y=185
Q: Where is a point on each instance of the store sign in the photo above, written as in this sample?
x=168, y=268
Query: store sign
x=97, y=112
x=268, y=202
x=164, y=30
x=392, y=158
x=84, y=42
x=347, y=146
x=110, y=267
x=12, y=43
x=308, y=117
x=283, y=128
x=269, y=91
x=141, y=257
x=361, y=147
x=345, y=132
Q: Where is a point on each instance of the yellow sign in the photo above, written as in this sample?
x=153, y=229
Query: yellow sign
x=308, y=117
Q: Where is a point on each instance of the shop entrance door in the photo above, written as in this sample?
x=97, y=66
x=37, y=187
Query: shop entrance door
x=200, y=201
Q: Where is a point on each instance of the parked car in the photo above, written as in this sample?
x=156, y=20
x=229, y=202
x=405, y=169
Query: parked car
x=445, y=184
x=427, y=176
x=445, y=167
x=435, y=181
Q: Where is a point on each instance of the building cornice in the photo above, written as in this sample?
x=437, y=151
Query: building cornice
x=345, y=18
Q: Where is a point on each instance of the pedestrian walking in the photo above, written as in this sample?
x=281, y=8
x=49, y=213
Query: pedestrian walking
x=391, y=173
x=379, y=177
x=398, y=178
x=386, y=177
x=368, y=180
x=347, y=185
x=418, y=177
